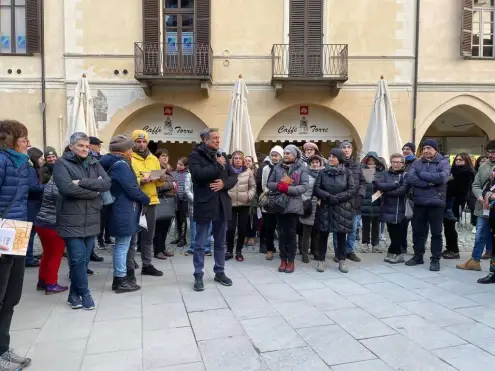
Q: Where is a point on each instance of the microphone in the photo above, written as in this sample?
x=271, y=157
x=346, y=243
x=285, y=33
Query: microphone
x=220, y=153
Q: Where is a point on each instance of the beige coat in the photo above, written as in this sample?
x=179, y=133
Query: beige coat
x=244, y=190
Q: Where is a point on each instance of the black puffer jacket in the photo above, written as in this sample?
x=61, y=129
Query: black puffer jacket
x=47, y=216
x=79, y=206
x=394, y=187
x=369, y=208
x=359, y=182
x=336, y=189
x=460, y=186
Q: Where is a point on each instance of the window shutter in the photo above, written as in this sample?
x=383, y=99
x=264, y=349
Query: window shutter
x=203, y=24
x=314, y=37
x=297, y=32
x=467, y=28
x=33, y=28
x=151, y=37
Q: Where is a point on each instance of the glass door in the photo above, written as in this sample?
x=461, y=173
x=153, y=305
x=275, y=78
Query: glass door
x=179, y=37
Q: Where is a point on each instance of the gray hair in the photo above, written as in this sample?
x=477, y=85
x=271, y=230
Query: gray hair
x=397, y=155
x=76, y=137
x=205, y=134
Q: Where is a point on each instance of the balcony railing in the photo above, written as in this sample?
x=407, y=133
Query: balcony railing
x=187, y=60
x=310, y=61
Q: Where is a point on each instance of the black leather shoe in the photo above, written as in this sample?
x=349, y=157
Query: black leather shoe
x=435, y=265
x=488, y=279
x=223, y=279
x=95, y=258
x=198, y=284
x=415, y=260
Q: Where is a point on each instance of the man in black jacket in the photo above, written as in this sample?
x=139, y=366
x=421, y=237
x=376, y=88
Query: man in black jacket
x=212, y=177
x=355, y=167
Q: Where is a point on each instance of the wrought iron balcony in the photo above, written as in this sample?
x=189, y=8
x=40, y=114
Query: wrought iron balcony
x=310, y=63
x=161, y=63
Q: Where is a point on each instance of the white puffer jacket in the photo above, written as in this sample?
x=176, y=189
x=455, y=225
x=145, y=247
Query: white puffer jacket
x=245, y=189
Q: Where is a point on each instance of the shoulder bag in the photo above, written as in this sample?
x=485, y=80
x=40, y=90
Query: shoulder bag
x=166, y=208
x=107, y=197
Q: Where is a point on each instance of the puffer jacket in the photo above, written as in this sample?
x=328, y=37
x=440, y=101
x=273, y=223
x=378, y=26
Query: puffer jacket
x=14, y=185
x=188, y=191
x=298, y=172
x=481, y=179
x=167, y=188
x=46, y=173
x=359, y=182
x=459, y=187
x=393, y=201
x=336, y=189
x=47, y=217
x=368, y=208
x=79, y=206
x=309, y=220
x=180, y=178
x=428, y=179
x=35, y=194
x=245, y=189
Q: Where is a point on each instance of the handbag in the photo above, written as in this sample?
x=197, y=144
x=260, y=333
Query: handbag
x=107, y=197
x=166, y=208
x=409, y=213
x=276, y=202
x=307, y=207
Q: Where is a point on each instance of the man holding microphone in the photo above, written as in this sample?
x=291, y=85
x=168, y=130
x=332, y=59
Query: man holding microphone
x=212, y=177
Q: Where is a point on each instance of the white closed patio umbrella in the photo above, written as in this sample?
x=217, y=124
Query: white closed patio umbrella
x=382, y=135
x=238, y=135
x=82, y=116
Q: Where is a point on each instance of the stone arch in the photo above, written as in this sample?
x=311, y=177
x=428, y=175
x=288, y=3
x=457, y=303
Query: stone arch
x=474, y=109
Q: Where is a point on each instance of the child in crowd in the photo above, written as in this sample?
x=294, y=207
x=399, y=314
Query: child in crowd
x=180, y=175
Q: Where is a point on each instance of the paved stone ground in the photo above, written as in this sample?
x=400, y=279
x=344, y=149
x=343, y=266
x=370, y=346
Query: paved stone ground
x=377, y=317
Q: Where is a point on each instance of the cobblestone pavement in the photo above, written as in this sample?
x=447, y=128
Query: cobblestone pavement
x=376, y=317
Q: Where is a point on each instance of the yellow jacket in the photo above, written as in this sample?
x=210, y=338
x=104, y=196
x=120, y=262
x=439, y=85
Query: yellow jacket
x=139, y=165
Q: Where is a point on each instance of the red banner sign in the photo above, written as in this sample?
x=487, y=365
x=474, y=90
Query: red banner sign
x=168, y=111
x=304, y=110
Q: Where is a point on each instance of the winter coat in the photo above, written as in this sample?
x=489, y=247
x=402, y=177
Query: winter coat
x=369, y=208
x=140, y=164
x=336, y=189
x=167, y=188
x=180, y=178
x=394, y=187
x=245, y=189
x=79, y=205
x=264, y=179
x=35, y=194
x=460, y=186
x=14, y=185
x=359, y=182
x=428, y=179
x=46, y=173
x=123, y=215
x=47, y=217
x=259, y=178
x=188, y=191
x=298, y=172
x=309, y=220
x=205, y=169
x=481, y=179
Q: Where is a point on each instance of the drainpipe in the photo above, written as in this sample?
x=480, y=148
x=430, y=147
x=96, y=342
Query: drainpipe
x=416, y=67
x=43, y=75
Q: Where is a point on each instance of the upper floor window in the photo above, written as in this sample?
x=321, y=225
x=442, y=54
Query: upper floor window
x=19, y=26
x=483, y=29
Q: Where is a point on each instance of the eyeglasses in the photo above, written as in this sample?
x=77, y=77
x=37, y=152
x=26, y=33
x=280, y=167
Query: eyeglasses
x=397, y=162
x=23, y=141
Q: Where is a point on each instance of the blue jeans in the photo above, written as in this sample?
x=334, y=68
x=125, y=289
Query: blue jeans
x=483, y=238
x=207, y=245
x=219, y=229
x=120, y=250
x=79, y=251
x=351, y=237
x=30, y=249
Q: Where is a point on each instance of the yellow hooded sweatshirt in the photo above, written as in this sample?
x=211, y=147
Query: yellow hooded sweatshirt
x=148, y=164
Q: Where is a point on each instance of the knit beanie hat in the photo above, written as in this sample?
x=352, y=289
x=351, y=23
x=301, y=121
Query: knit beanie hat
x=316, y=157
x=409, y=145
x=432, y=143
x=311, y=145
x=490, y=146
x=139, y=134
x=345, y=143
x=120, y=143
x=339, y=154
x=50, y=151
x=278, y=149
x=294, y=150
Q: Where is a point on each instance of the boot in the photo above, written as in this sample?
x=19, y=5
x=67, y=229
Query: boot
x=415, y=260
x=434, y=265
x=130, y=277
x=95, y=258
x=305, y=258
x=470, y=265
x=291, y=267
x=488, y=279
x=123, y=285
x=263, y=249
x=283, y=266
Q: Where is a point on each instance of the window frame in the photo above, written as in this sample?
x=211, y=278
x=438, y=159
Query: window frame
x=178, y=12
x=13, y=35
x=483, y=11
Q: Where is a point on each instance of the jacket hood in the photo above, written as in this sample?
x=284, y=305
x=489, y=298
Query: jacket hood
x=267, y=160
x=72, y=157
x=379, y=164
x=111, y=158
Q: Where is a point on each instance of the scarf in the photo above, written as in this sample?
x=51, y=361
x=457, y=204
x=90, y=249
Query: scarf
x=143, y=154
x=210, y=152
x=238, y=171
x=17, y=158
x=334, y=170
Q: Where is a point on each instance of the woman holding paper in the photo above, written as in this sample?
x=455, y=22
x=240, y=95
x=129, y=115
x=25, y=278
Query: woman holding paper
x=14, y=173
x=394, y=187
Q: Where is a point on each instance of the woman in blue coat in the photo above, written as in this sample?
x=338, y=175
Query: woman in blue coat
x=124, y=213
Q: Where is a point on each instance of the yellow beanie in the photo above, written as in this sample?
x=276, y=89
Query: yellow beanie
x=139, y=134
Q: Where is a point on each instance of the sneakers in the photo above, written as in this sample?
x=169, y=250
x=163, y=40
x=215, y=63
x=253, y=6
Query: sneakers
x=9, y=366
x=89, y=272
x=12, y=357
x=55, y=289
x=470, y=265
x=122, y=284
x=343, y=266
x=95, y=258
x=208, y=253
x=335, y=259
x=101, y=244
x=88, y=303
x=474, y=230
x=435, y=265
x=376, y=249
x=291, y=267
x=74, y=301
x=396, y=259
x=450, y=255
x=269, y=255
x=305, y=258
x=353, y=257
x=223, y=279
x=283, y=266
x=389, y=257
x=189, y=252
x=239, y=257
x=382, y=237
x=320, y=267
x=365, y=248
x=198, y=284
x=228, y=256
x=251, y=242
x=488, y=279
x=415, y=260
x=150, y=270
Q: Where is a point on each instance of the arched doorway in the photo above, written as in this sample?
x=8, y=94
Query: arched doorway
x=170, y=127
x=306, y=123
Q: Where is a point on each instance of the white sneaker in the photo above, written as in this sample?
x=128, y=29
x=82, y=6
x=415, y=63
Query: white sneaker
x=320, y=267
x=474, y=230
x=389, y=257
x=343, y=266
x=397, y=259
x=365, y=248
x=382, y=237
x=377, y=249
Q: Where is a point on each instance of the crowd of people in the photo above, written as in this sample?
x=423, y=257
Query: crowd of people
x=129, y=198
